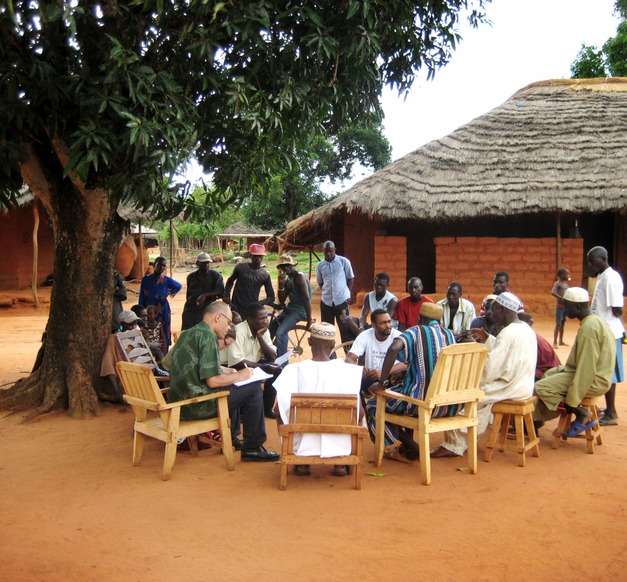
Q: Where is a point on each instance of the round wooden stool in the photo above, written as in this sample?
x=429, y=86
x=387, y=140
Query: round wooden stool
x=522, y=411
x=590, y=435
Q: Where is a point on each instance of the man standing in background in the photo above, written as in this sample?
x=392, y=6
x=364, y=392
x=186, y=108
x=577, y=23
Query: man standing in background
x=607, y=303
x=335, y=277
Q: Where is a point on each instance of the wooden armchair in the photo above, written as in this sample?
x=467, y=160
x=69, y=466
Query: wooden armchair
x=455, y=381
x=143, y=394
x=323, y=414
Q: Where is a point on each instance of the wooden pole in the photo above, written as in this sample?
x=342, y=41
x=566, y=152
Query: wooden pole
x=171, y=247
x=35, y=251
x=558, y=237
x=221, y=250
x=310, y=261
x=142, y=269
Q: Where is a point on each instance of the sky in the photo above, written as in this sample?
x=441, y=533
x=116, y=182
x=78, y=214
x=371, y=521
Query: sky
x=527, y=41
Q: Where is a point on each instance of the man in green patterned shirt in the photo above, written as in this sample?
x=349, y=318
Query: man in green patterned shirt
x=195, y=370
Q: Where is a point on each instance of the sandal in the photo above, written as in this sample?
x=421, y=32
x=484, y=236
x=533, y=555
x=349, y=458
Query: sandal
x=442, y=453
x=340, y=471
x=214, y=435
x=395, y=455
x=302, y=470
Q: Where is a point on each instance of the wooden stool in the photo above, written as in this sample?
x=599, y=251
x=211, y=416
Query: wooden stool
x=522, y=411
x=564, y=424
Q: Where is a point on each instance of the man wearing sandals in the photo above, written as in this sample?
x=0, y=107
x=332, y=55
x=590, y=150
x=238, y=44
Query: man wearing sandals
x=588, y=371
x=318, y=375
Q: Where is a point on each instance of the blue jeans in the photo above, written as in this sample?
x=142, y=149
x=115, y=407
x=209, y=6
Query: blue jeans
x=280, y=326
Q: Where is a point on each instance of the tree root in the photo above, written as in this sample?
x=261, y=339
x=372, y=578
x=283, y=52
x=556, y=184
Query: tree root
x=43, y=395
x=25, y=393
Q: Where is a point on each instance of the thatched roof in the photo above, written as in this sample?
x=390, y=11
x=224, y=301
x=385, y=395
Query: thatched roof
x=241, y=230
x=557, y=145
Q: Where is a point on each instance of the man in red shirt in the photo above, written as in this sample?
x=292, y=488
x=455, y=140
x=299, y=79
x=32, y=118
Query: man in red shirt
x=408, y=308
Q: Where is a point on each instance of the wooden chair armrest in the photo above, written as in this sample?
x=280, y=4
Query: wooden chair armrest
x=148, y=404
x=403, y=397
x=203, y=398
x=286, y=429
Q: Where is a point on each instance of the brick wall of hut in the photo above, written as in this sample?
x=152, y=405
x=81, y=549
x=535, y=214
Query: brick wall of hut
x=525, y=246
x=530, y=262
x=16, y=244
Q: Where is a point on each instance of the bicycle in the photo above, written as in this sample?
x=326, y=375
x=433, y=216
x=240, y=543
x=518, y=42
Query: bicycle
x=295, y=336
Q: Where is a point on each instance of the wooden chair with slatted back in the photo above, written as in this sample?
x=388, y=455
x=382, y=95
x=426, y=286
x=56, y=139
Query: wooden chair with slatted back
x=136, y=351
x=135, y=348
x=455, y=381
x=323, y=414
x=143, y=394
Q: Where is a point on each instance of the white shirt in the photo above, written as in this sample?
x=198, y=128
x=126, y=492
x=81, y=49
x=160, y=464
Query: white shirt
x=510, y=367
x=608, y=293
x=366, y=343
x=463, y=316
x=332, y=377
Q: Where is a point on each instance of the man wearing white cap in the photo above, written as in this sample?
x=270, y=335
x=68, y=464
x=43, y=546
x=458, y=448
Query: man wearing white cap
x=509, y=370
x=588, y=371
x=318, y=375
x=248, y=279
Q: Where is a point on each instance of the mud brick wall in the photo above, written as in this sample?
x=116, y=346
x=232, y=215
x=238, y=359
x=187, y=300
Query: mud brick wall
x=390, y=256
x=16, y=244
x=530, y=262
x=358, y=246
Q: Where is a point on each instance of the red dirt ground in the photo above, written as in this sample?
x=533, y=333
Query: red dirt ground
x=73, y=508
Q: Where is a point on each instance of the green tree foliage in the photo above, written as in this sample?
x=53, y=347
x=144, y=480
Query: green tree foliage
x=588, y=64
x=102, y=102
x=611, y=59
x=196, y=233
x=297, y=189
x=615, y=50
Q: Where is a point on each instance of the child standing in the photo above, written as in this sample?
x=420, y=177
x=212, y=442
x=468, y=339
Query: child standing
x=153, y=333
x=560, y=286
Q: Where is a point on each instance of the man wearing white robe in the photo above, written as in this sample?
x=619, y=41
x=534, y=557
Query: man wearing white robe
x=321, y=376
x=509, y=370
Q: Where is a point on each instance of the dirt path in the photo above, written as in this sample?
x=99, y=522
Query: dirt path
x=73, y=508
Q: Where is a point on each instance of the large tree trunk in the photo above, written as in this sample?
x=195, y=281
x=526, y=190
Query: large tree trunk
x=87, y=232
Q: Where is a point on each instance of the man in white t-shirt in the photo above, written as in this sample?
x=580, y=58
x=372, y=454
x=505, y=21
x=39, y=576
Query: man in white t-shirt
x=372, y=345
x=608, y=303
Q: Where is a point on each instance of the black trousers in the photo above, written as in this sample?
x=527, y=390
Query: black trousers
x=331, y=314
x=246, y=407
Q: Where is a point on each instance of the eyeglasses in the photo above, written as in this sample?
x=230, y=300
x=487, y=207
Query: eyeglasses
x=225, y=317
